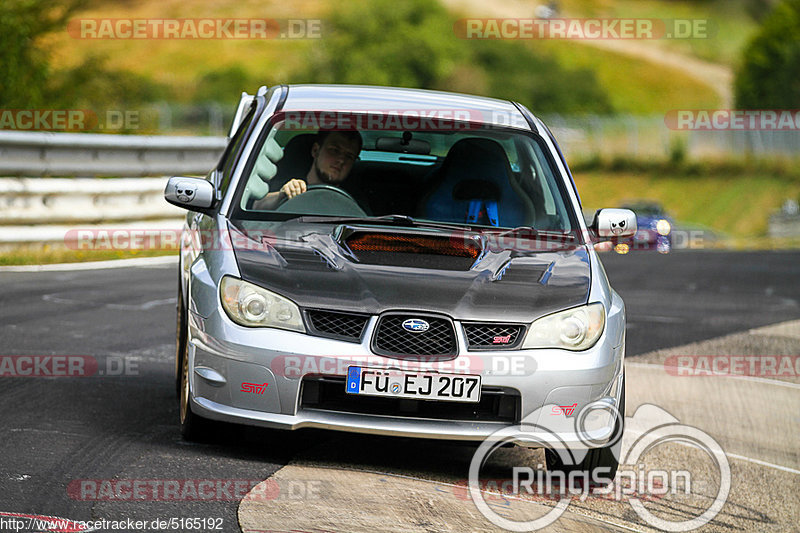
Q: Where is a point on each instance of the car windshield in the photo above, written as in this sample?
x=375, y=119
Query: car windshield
x=479, y=177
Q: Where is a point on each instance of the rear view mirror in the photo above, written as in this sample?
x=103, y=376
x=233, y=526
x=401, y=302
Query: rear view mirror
x=610, y=223
x=194, y=194
x=404, y=145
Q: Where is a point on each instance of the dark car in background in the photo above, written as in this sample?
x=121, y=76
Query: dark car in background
x=654, y=227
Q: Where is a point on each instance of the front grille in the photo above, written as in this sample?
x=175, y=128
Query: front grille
x=493, y=336
x=392, y=339
x=343, y=326
x=497, y=404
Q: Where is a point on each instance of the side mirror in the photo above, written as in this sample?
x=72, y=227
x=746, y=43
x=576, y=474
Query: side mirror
x=194, y=194
x=611, y=223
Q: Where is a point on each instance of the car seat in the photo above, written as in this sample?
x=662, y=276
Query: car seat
x=296, y=159
x=475, y=185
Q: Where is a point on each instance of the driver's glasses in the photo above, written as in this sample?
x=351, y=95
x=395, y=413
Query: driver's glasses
x=338, y=153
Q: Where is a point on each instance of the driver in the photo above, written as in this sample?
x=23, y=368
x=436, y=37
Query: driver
x=333, y=154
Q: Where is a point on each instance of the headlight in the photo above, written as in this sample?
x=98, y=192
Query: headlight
x=250, y=305
x=573, y=329
x=663, y=227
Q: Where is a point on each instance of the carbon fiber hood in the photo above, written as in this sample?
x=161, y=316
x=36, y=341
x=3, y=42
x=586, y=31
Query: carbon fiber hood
x=318, y=270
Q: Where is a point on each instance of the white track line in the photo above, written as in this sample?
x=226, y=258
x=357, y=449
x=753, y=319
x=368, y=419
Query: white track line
x=748, y=378
x=763, y=463
x=94, y=265
x=733, y=456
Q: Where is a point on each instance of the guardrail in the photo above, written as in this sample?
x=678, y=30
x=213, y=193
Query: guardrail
x=92, y=154
x=31, y=208
x=88, y=200
x=40, y=210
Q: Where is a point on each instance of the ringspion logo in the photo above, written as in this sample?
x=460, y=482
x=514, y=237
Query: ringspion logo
x=637, y=486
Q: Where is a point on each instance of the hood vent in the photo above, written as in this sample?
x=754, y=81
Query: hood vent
x=420, y=250
x=305, y=259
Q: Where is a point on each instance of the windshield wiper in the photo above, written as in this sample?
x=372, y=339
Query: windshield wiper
x=394, y=220
x=530, y=234
x=528, y=231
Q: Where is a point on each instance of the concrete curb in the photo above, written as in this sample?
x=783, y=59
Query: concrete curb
x=752, y=419
x=331, y=499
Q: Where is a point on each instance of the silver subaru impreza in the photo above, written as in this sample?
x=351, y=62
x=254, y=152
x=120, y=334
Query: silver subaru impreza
x=397, y=262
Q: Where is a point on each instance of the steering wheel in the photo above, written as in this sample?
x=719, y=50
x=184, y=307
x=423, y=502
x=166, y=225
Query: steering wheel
x=337, y=202
x=323, y=187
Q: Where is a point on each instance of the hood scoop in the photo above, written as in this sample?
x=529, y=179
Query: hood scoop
x=305, y=258
x=411, y=248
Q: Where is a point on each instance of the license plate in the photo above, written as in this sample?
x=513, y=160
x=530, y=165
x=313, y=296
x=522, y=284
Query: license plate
x=419, y=385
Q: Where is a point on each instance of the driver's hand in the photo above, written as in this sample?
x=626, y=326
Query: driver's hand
x=293, y=188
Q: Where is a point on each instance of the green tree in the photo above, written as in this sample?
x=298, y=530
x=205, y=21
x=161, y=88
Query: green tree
x=538, y=81
x=95, y=85
x=413, y=44
x=769, y=76
x=384, y=42
x=24, y=62
x=223, y=85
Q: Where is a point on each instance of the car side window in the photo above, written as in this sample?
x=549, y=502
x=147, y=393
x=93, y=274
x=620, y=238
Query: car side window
x=229, y=159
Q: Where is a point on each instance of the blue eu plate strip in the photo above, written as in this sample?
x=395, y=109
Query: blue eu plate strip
x=353, y=379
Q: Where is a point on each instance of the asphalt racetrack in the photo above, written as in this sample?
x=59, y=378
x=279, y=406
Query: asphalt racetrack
x=62, y=437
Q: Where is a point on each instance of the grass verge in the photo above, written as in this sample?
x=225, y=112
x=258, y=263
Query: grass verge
x=47, y=254
x=735, y=203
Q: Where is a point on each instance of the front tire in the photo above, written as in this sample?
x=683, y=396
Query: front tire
x=181, y=329
x=193, y=426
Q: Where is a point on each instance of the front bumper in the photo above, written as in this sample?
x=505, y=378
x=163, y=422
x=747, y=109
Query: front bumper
x=553, y=386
